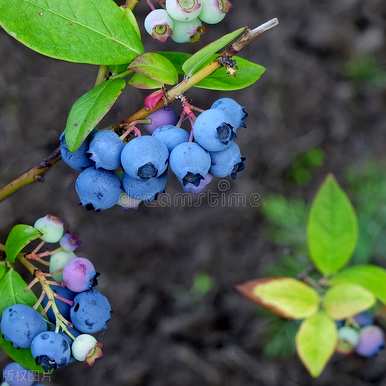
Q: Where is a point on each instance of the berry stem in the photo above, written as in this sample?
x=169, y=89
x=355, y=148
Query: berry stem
x=36, y=173
x=131, y=4
x=150, y=4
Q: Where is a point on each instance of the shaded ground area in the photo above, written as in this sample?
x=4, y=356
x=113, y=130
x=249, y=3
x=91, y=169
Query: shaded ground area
x=160, y=334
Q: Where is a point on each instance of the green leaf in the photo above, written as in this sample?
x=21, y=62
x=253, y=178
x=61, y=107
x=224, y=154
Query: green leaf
x=13, y=290
x=143, y=82
x=89, y=109
x=203, y=56
x=346, y=300
x=316, y=342
x=82, y=31
x=286, y=297
x=371, y=277
x=132, y=19
x=19, y=237
x=156, y=67
x=247, y=74
x=3, y=269
x=332, y=228
x=177, y=58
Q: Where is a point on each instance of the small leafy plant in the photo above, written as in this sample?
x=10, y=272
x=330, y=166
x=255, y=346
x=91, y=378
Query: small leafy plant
x=330, y=299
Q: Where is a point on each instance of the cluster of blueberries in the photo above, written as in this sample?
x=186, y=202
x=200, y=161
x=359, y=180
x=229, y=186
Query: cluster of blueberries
x=107, y=164
x=361, y=335
x=77, y=302
x=182, y=20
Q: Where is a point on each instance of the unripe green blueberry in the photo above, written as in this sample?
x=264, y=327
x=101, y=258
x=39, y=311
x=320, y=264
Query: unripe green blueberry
x=214, y=11
x=185, y=32
x=82, y=347
x=348, y=340
x=57, y=263
x=50, y=227
x=159, y=25
x=183, y=10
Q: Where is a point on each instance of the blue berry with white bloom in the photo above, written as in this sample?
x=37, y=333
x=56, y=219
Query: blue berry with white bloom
x=171, y=136
x=213, y=130
x=144, y=190
x=20, y=324
x=105, y=150
x=371, y=341
x=237, y=114
x=145, y=157
x=98, y=189
x=190, y=163
x=16, y=375
x=228, y=162
x=183, y=10
x=77, y=160
x=364, y=319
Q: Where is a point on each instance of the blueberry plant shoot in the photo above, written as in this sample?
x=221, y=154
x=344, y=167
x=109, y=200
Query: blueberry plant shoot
x=338, y=308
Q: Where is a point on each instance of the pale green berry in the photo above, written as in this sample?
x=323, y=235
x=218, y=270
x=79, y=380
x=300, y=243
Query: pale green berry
x=50, y=227
x=183, y=10
x=348, y=340
x=159, y=25
x=214, y=11
x=57, y=263
x=82, y=347
x=188, y=32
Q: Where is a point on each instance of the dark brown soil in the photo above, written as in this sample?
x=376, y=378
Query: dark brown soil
x=160, y=335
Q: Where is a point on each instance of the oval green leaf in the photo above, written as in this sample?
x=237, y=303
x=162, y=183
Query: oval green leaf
x=316, y=342
x=332, y=228
x=3, y=269
x=346, y=300
x=203, y=56
x=143, y=82
x=177, y=58
x=89, y=110
x=286, y=297
x=371, y=277
x=248, y=73
x=82, y=31
x=156, y=67
x=19, y=237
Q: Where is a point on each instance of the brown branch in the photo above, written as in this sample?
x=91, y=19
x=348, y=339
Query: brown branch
x=36, y=173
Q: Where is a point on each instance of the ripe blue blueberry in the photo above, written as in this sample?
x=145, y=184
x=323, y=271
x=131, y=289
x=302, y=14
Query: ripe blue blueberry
x=16, y=375
x=79, y=275
x=145, y=157
x=190, y=188
x=51, y=350
x=63, y=307
x=144, y=190
x=228, y=162
x=51, y=228
x=348, y=340
x=70, y=242
x=187, y=32
x=105, y=150
x=213, y=130
x=77, y=160
x=214, y=11
x=98, y=189
x=20, y=324
x=236, y=113
x=159, y=25
x=364, y=319
x=190, y=163
x=183, y=10
x=91, y=312
x=162, y=117
x=371, y=341
x=171, y=136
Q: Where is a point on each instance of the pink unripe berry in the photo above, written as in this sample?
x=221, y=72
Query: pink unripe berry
x=163, y=117
x=79, y=275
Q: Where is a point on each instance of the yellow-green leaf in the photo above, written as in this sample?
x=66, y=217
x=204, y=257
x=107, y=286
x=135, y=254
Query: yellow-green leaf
x=286, y=297
x=346, y=300
x=316, y=342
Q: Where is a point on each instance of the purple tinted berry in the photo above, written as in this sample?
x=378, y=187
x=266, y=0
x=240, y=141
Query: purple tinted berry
x=159, y=25
x=371, y=341
x=51, y=350
x=144, y=190
x=70, y=242
x=163, y=117
x=190, y=163
x=91, y=312
x=213, y=131
x=145, y=157
x=171, y=136
x=63, y=307
x=20, y=324
x=16, y=375
x=79, y=275
x=77, y=160
x=236, y=113
x=364, y=319
x=105, y=150
x=190, y=188
x=228, y=162
x=98, y=189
